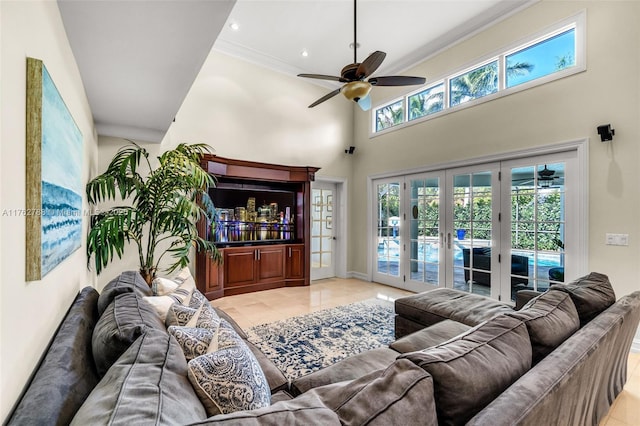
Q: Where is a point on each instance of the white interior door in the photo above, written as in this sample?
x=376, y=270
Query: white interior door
x=324, y=211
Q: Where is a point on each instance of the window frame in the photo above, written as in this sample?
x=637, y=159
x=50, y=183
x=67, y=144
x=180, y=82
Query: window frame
x=576, y=22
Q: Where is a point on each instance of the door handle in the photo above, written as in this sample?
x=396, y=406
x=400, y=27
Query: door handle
x=449, y=240
x=289, y=251
x=442, y=240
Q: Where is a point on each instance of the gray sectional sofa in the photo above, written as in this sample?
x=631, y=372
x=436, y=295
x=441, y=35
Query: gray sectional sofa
x=458, y=359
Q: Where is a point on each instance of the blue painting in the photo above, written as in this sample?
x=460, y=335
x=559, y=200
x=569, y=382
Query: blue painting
x=61, y=175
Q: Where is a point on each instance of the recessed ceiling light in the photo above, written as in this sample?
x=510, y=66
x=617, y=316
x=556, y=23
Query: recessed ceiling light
x=304, y=53
x=234, y=26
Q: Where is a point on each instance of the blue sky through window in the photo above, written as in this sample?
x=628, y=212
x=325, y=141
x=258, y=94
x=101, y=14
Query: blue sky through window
x=548, y=56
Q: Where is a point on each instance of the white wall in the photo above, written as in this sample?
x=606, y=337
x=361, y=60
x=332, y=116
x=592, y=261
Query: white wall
x=31, y=311
x=248, y=112
x=251, y=113
x=567, y=109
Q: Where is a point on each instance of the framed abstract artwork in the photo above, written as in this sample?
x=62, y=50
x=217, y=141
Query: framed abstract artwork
x=54, y=151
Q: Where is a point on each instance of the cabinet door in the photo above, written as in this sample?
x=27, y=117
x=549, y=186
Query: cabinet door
x=295, y=261
x=239, y=266
x=271, y=263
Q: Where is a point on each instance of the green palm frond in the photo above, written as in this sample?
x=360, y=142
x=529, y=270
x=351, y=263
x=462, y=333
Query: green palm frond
x=166, y=204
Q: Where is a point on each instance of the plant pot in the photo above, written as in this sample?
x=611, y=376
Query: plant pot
x=148, y=274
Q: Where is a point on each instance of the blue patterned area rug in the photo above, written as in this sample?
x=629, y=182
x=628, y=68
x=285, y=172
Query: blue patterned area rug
x=304, y=344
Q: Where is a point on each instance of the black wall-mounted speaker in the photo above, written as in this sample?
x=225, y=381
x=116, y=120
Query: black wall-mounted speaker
x=606, y=132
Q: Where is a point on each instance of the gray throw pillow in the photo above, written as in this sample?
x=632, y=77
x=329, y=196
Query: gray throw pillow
x=126, y=282
x=591, y=295
x=147, y=385
x=550, y=318
x=229, y=380
x=471, y=370
x=124, y=320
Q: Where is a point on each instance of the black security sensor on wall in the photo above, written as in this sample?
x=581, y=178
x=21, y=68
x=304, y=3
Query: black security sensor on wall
x=606, y=132
x=350, y=150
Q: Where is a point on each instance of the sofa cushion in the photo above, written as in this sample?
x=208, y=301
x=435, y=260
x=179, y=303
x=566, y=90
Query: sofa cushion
x=126, y=282
x=591, y=295
x=550, y=318
x=147, y=385
x=229, y=380
x=349, y=368
x=439, y=304
x=474, y=368
x=125, y=319
x=67, y=373
x=305, y=410
x=430, y=336
x=401, y=394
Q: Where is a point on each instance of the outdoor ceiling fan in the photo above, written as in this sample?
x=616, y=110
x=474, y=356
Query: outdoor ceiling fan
x=357, y=86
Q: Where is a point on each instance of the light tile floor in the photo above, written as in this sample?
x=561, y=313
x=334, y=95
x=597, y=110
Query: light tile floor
x=272, y=305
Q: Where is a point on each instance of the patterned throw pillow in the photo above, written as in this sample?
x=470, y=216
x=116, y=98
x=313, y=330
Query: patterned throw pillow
x=181, y=295
x=197, y=341
x=205, y=317
x=193, y=341
x=197, y=299
x=179, y=315
x=229, y=380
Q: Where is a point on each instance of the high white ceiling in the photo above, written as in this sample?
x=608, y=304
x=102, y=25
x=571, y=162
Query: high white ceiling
x=274, y=33
x=138, y=59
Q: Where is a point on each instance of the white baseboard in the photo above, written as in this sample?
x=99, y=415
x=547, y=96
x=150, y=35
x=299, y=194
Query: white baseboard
x=357, y=275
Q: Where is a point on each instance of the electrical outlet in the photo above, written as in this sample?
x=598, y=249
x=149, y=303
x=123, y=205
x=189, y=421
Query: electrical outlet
x=617, y=239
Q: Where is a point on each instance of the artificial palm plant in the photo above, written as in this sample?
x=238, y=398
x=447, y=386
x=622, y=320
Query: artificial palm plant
x=163, y=207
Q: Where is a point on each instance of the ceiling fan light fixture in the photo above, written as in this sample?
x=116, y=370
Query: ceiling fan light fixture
x=356, y=90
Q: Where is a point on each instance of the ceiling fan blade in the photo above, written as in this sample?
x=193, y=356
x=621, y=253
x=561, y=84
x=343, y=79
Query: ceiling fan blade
x=370, y=65
x=397, y=80
x=323, y=77
x=365, y=103
x=325, y=97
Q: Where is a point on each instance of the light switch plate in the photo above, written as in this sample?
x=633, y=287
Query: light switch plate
x=617, y=239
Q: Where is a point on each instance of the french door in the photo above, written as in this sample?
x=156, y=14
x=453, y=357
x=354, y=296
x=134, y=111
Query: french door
x=323, y=220
x=489, y=229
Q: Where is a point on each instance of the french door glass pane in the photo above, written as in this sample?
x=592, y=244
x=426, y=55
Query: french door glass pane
x=321, y=228
x=472, y=221
x=424, y=226
x=537, y=226
x=388, y=228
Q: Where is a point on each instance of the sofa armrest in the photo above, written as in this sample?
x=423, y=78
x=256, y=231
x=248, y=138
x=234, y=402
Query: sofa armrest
x=67, y=373
x=523, y=296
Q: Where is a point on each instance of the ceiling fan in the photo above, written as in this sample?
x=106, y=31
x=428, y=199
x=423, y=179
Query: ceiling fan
x=357, y=86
